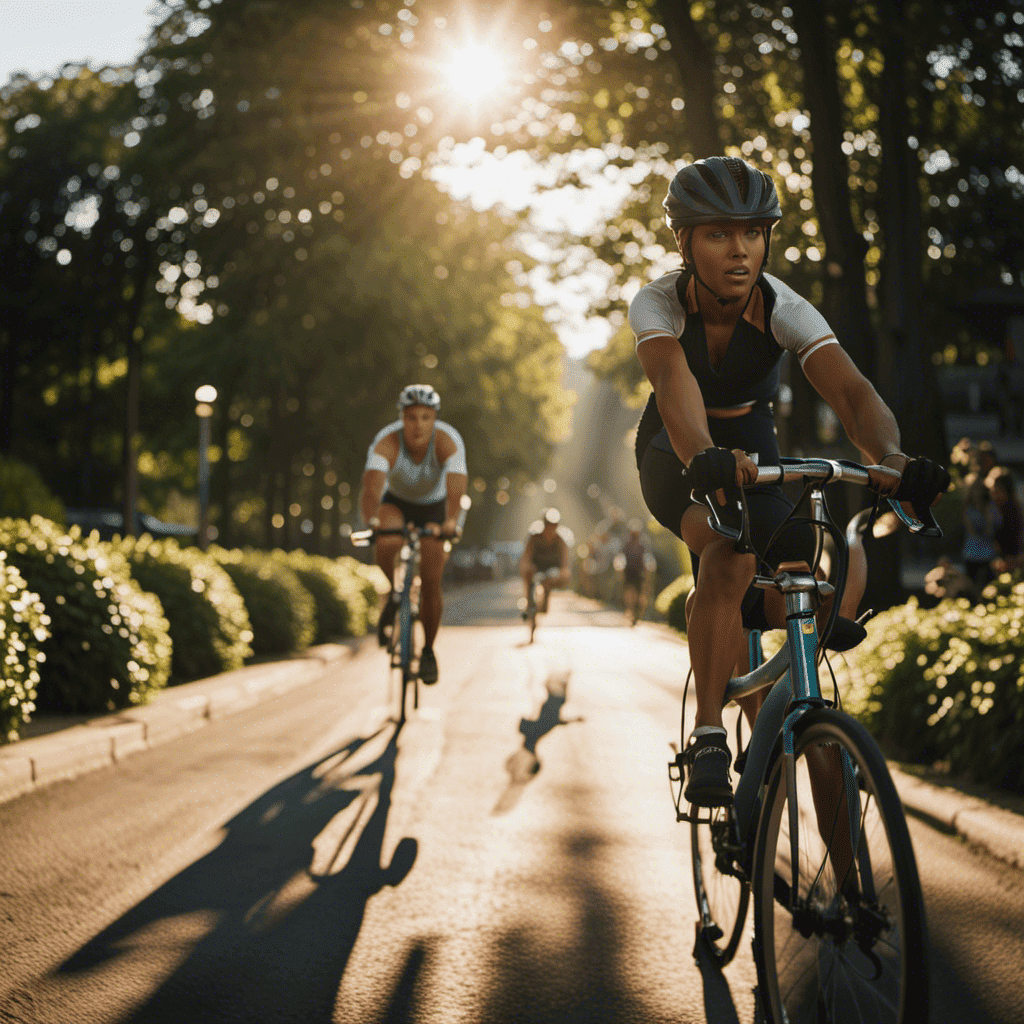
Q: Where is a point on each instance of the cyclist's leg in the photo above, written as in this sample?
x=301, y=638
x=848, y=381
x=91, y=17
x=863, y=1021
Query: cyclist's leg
x=386, y=548
x=527, y=571
x=751, y=704
x=432, y=559
x=714, y=632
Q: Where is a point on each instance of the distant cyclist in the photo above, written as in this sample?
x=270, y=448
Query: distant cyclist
x=635, y=557
x=415, y=473
x=547, y=552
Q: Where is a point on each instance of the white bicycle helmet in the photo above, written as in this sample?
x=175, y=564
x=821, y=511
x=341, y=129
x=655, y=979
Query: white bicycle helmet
x=419, y=394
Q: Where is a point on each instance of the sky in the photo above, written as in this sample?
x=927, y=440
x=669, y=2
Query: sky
x=39, y=36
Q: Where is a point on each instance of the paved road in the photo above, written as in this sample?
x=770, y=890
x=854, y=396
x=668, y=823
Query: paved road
x=508, y=856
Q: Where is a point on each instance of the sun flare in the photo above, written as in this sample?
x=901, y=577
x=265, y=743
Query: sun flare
x=475, y=71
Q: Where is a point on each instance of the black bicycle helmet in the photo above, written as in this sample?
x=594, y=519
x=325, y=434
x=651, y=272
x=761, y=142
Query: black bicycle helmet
x=720, y=188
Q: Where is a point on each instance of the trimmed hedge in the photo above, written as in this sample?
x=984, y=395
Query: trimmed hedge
x=337, y=590
x=109, y=646
x=946, y=684
x=209, y=624
x=23, y=628
x=282, y=611
x=23, y=493
x=671, y=602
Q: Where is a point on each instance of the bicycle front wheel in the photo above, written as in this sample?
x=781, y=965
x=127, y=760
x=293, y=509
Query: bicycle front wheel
x=847, y=944
x=722, y=896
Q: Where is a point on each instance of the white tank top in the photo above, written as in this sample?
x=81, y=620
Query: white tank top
x=422, y=482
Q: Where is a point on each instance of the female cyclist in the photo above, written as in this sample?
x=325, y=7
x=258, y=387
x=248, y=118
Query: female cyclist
x=710, y=338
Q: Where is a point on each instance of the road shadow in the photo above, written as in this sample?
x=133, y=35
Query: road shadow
x=286, y=891
x=576, y=976
x=523, y=764
x=719, y=1007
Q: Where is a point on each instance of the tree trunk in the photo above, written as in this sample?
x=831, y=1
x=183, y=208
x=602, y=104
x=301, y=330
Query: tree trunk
x=844, y=302
x=220, y=481
x=133, y=311
x=696, y=65
x=906, y=373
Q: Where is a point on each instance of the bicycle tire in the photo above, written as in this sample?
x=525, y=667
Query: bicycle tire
x=722, y=897
x=404, y=630
x=855, y=950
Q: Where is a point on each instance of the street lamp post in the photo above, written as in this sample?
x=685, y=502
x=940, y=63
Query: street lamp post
x=206, y=395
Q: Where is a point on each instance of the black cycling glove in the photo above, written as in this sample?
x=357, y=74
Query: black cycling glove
x=713, y=469
x=923, y=481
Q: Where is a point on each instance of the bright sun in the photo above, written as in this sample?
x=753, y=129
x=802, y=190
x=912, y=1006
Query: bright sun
x=475, y=71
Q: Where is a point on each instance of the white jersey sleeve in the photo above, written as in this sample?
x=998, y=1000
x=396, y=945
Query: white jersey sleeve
x=796, y=325
x=456, y=462
x=655, y=309
x=375, y=460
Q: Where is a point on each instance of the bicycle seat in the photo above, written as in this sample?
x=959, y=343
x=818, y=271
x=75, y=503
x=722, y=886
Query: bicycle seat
x=846, y=634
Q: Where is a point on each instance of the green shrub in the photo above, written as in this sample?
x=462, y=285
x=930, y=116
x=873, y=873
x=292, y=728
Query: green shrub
x=281, y=610
x=23, y=493
x=671, y=602
x=209, y=624
x=946, y=684
x=109, y=647
x=338, y=591
x=23, y=628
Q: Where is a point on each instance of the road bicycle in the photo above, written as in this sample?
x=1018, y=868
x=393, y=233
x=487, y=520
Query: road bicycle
x=536, y=605
x=816, y=837
x=402, y=644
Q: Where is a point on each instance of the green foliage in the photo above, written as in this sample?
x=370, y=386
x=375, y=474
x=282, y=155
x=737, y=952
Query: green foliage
x=109, y=646
x=209, y=624
x=23, y=628
x=342, y=607
x=23, y=493
x=945, y=684
x=671, y=602
x=281, y=610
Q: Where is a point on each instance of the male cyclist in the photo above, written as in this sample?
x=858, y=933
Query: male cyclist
x=415, y=473
x=710, y=338
x=546, y=549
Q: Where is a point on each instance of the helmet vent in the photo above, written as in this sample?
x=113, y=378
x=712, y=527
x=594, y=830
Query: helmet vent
x=736, y=167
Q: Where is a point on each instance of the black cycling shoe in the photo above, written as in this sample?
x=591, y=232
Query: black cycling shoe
x=428, y=666
x=707, y=778
x=386, y=621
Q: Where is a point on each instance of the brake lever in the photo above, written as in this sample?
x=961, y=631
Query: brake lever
x=925, y=525
x=740, y=537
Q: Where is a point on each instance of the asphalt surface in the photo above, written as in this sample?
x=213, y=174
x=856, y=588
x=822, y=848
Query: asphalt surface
x=509, y=855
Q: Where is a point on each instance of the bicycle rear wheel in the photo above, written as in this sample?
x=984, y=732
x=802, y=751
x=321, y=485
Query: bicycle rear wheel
x=853, y=949
x=722, y=897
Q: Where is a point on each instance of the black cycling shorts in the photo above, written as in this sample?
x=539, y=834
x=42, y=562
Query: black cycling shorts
x=666, y=490
x=415, y=513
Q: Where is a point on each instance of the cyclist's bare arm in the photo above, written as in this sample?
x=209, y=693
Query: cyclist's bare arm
x=456, y=483
x=867, y=420
x=680, y=402
x=375, y=476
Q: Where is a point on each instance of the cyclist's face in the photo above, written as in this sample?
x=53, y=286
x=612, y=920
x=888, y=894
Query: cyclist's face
x=728, y=255
x=418, y=424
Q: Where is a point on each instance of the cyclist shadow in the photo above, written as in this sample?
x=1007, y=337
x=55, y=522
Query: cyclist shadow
x=286, y=892
x=719, y=1007
x=523, y=764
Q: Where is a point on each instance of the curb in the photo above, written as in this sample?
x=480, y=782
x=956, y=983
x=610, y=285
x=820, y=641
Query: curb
x=33, y=763
x=984, y=826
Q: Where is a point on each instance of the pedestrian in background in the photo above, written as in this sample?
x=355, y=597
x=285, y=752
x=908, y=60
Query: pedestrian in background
x=1011, y=522
x=980, y=521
